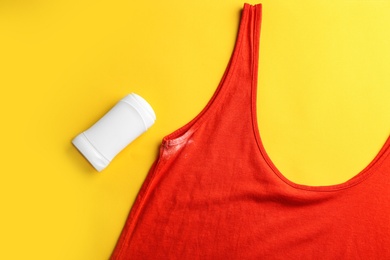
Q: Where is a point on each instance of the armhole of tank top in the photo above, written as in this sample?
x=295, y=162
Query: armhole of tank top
x=183, y=132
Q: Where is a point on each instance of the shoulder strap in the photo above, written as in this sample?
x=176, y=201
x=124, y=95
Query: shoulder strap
x=238, y=84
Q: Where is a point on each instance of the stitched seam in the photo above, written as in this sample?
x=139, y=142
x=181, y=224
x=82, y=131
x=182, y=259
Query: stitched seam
x=218, y=96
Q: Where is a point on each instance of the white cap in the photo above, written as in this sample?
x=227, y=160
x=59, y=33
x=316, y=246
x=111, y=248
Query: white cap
x=127, y=120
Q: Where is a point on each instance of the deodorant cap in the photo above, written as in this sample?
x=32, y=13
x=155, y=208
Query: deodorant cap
x=127, y=120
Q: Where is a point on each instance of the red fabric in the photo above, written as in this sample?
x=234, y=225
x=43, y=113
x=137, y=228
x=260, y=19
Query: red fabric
x=213, y=192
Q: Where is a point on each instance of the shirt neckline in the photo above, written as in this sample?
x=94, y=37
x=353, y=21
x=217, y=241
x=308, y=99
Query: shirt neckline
x=361, y=176
x=354, y=180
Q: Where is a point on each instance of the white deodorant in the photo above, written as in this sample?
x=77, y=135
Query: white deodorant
x=127, y=120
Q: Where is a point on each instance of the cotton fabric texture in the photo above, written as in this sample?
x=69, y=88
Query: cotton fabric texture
x=213, y=192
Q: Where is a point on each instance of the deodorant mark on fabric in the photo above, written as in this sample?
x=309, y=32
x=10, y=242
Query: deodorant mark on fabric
x=127, y=120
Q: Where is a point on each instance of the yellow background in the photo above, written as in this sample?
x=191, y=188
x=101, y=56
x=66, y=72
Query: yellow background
x=324, y=91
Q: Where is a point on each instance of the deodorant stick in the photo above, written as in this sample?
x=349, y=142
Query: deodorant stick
x=127, y=120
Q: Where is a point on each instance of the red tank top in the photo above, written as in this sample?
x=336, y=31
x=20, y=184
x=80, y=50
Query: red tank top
x=213, y=193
